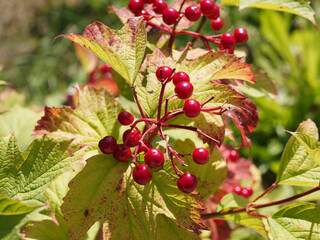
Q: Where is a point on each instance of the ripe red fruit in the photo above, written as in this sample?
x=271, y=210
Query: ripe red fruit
x=145, y=148
x=184, y=90
x=234, y=156
x=135, y=6
x=105, y=68
x=228, y=40
x=148, y=1
x=154, y=158
x=108, y=145
x=159, y=6
x=192, y=13
x=163, y=71
x=241, y=35
x=207, y=6
x=170, y=16
x=238, y=190
x=131, y=137
x=187, y=183
x=217, y=24
x=125, y=118
x=200, y=155
x=247, y=192
x=215, y=13
x=191, y=108
x=122, y=153
x=141, y=175
x=180, y=77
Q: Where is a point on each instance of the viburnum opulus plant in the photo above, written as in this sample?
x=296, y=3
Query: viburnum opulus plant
x=151, y=156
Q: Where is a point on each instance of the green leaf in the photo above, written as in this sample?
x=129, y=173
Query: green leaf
x=299, y=7
x=231, y=201
x=122, y=49
x=296, y=221
x=104, y=191
x=10, y=98
x=297, y=167
x=12, y=207
x=94, y=117
x=25, y=175
x=210, y=175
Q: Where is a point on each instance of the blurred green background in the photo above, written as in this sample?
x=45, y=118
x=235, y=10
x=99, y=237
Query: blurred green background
x=287, y=47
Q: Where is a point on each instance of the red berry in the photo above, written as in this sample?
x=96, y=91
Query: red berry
x=148, y=1
x=170, y=16
x=187, y=183
x=108, y=145
x=163, y=73
x=200, y=155
x=215, y=13
x=238, y=190
x=145, y=14
x=145, y=148
x=122, y=153
x=191, y=108
x=159, y=6
x=135, y=6
x=125, y=118
x=228, y=40
x=192, y=13
x=141, y=175
x=105, y=68
x=217, y=24
x=241, y=35
x=234, y=156
x=247, y=192
x=180, y=77
x=207, y=6
x=184, y=90
x=131, y=137
x=154, y=158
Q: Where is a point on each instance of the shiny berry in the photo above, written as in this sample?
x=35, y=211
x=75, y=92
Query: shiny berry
x=154, y=158
x=192, y=13
x=145, y=148
x=214, y=14
x=136, y=6
x=148, y=1
x=131, y=137
x=141, y=175
x=170, y=16
x=122, y=153
x=247, y=191
x=207, y=6
x=241, y=35
x=163, y=73
x=159, y=6
x=108, y=145
x=217, y=24
x=184, y=90
x=228, y=40
x=187, y=183
x=200, y=155
x=180, y=77
x=191, y=108
x=125, y=118
x=234, y=156
x=238, y=190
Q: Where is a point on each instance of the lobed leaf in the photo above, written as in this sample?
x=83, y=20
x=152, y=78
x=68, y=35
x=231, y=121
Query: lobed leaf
x=105, y=187
x=25, y=175
x=122, y=49
x=296, y=221
x=297, y=167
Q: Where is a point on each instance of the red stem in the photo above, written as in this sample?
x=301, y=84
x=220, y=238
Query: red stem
x=173, y=33
x=142, y=113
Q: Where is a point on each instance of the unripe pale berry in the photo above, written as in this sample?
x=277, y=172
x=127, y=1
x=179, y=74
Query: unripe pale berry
x=187, y=183
x=141, y=175
x=191, y=108
x=170, y=16
x=154, y=158
x=200, y=155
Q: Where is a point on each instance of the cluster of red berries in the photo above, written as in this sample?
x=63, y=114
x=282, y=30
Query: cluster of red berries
x=244, y=192
x=153, y=157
